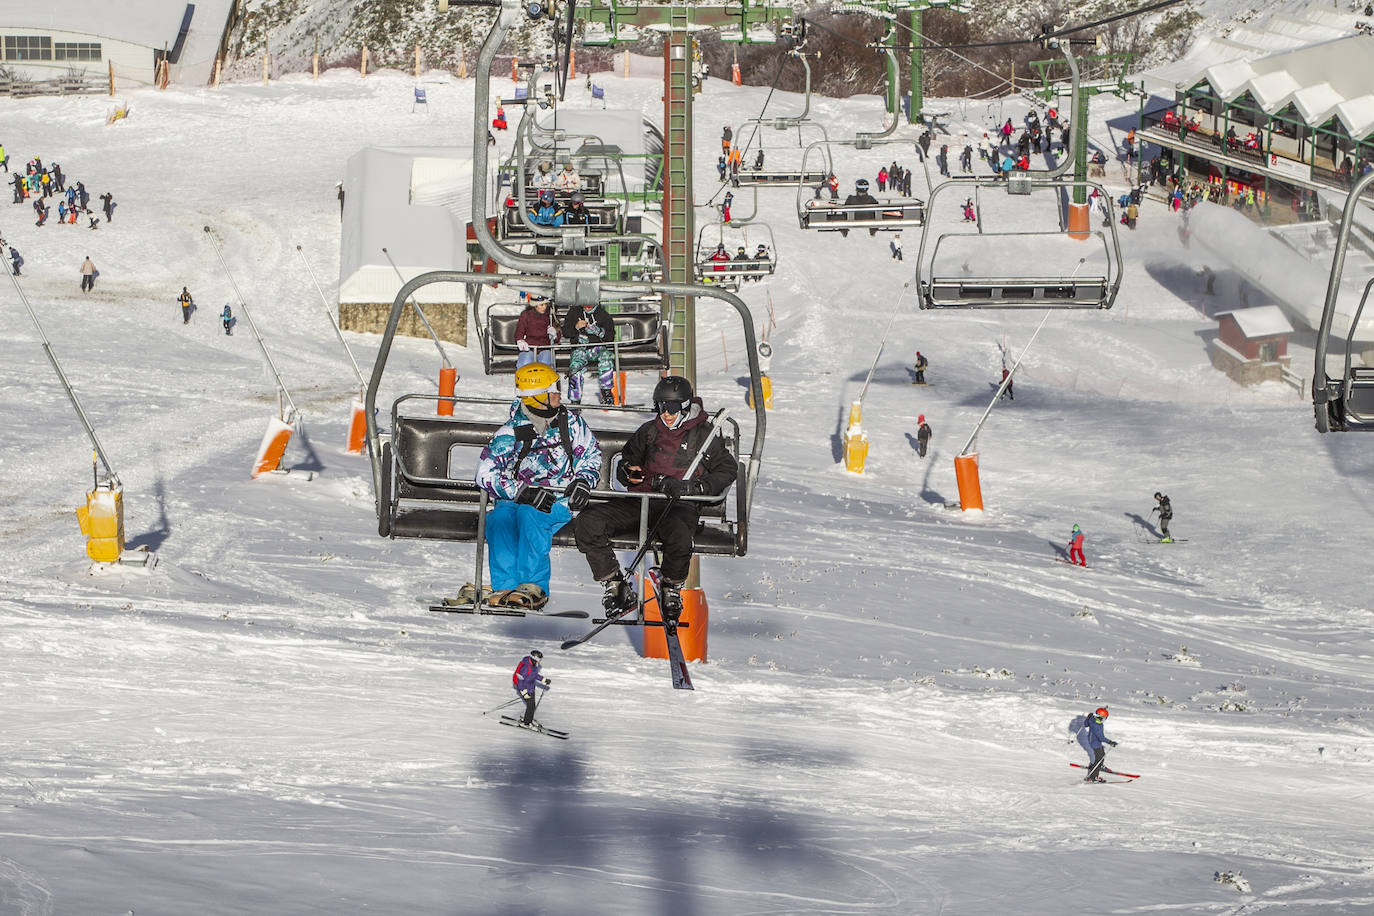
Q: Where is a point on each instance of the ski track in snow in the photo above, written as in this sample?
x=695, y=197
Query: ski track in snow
x=270, y=720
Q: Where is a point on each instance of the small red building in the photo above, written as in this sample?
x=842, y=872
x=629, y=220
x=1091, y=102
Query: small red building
x=1252, y=344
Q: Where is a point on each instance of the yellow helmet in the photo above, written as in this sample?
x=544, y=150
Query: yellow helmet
x=534, y=382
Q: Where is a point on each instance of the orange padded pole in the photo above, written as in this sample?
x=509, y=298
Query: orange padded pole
x=272, y=448
x=966, y=473
x=448, y=381
x=357, y=429
x=695, y=614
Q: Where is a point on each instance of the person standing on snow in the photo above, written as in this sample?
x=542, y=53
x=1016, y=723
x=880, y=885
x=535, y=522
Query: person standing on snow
x=187, y=304
x=656, y=459
x=526, y=679
x=1076, y=547
x=922, y=435
x=1166, y=512
x=1008, y=393
x=87, y=275
x=921, y=364
x=16, y=261
x=1096, y=744
x=540, y=467
x=227, y=317
x=896, y=247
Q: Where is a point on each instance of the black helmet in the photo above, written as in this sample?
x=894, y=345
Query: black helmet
x=536, y=655
x=861, y=184
x=1159, y=495
x=740, y=249
x=577, y=197
x=672, y=394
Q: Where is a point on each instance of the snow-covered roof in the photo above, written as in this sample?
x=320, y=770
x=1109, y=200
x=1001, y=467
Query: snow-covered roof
x=1320, y=61
x=1260, y=321
x=416, y=203
x=152, y=23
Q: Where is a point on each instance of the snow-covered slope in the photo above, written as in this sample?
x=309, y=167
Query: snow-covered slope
x=270, y=722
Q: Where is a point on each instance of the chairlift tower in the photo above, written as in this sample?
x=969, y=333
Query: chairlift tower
x=890, y=10
x=610, y=21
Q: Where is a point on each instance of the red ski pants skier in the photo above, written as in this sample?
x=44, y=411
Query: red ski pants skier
x=1076, y=555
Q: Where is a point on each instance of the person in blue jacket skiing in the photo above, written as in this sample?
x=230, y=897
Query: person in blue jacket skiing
x=1076, y=547
x=540, y=466
x=1094, y=741
x=527, y=679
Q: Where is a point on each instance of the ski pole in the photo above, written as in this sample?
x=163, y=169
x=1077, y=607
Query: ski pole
x=502, y=706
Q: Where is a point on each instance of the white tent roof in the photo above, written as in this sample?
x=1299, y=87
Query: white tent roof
x=1319, y=60
x=414, y=202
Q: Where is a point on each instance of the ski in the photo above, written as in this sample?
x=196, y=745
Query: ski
x=677, y=665
x=534, y=727
x=489, y=611
x=1070, y=562
x=682, y=680
x=1084, y=766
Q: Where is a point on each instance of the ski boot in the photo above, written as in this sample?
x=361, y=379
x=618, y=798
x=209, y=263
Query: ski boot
x=670, y=599
x=607, y=397
x=619, y=598
x=1166, y=540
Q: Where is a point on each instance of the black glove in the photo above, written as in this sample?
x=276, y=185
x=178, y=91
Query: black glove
x=548, y=681
x=538, y=497
x=672, y=486
x=629, y=475
x=578, y=493
x=1111, y=742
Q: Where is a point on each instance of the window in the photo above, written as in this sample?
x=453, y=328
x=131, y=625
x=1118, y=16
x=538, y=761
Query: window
x=76, y=50
x=28, y=47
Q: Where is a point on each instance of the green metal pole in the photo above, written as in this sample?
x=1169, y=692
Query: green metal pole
x=892, y=91
x=917, y=96
x=1080, y=145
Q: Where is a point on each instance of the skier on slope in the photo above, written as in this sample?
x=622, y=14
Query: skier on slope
x=922, y=436
x=227, y=318
x=1166, y=512
x=1095, y=743
x=921, y=364
x=1076, y=547
x=526, y=679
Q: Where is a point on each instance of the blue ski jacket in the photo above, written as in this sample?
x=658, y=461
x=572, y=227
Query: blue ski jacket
x=526, y=675
x=1096, y=738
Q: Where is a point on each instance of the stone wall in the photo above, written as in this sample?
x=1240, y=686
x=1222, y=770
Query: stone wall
x=1247, y=371
x=449, y=320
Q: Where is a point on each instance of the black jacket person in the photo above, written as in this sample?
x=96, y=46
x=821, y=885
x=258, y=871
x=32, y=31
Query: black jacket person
x=655, y=459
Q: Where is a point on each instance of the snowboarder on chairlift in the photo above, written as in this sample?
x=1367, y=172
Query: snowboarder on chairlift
x=1166, y=512
x=527, y=679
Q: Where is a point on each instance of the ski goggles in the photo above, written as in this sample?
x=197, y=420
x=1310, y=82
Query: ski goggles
x=536, y=392
x=671, y=406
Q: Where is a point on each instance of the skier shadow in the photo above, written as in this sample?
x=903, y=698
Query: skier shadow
x=837, y=437
x=552, y=794
x=311, y=460
x=928, y=494
x=1141, y=521
x=154, y=539
x=1060, y=551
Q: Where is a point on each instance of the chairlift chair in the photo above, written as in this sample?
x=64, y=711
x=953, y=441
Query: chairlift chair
x=731, y=274
x=423, y=467
x=980, y=269
x=1344, y=403
x=887, y=215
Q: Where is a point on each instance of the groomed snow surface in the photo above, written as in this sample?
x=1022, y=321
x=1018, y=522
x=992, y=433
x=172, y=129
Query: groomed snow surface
x=271, y=722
